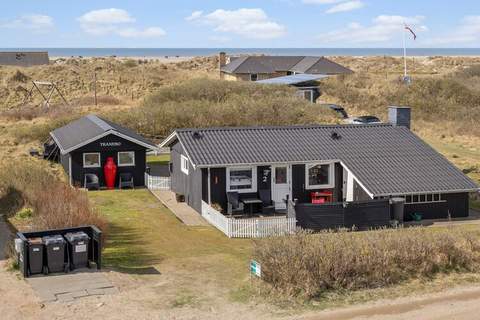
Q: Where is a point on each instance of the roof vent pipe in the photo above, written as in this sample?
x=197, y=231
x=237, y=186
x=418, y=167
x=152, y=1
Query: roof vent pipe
x=399, y=116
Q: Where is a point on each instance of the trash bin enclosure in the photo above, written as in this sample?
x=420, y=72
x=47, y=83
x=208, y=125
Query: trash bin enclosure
x=52, y=245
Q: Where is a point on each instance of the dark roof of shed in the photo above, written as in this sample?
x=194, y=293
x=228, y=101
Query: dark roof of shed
x=261, y=64
x=88, y=129
x=271, y=64
x=319, y=65
x=386, y=159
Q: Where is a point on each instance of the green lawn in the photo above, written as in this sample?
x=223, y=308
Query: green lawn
x=160, y=159
x=143, y=233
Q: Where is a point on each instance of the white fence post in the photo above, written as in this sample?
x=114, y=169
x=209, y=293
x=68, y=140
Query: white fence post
x=248, y=228
x=157, y=183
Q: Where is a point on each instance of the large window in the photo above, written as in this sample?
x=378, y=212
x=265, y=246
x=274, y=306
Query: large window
x=319, y=176
x=242, y=179
x=184, y=164
x=126, y=158
x=91, y=160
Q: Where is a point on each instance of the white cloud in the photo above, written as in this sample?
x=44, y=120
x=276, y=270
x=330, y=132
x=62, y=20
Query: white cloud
x=194, y=15
x=116, y=21
x=467, y=33
x=33, y=22
x=248, y=23
x=383, y=29
x=346, y=6
x=321, y=1
x=339, y=5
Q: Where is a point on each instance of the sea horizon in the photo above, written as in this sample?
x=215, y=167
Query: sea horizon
x=196, y=52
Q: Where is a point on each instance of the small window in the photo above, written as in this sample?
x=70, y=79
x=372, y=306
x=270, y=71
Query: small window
x=242, y=179
x=429, y=197
x=126, y=159
x=184, y=164
x=91, y=160
x=253, y=77
x=280, y=175
x=436, y=197
x=319, y=176
x=408, y=199
x=421, y=198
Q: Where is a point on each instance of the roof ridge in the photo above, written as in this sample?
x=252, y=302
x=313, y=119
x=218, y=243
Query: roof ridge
x=99, y=122
x=288, y=127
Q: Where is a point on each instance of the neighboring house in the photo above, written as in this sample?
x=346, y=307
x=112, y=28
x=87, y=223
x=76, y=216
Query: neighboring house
x=83, y=146
x=318, y=166
x=307, y=85
x=253, y=68
x=23, y=59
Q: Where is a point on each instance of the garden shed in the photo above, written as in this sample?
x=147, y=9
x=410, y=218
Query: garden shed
x=85, y=146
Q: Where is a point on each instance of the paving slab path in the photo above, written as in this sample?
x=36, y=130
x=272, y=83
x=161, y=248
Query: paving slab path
x=183, y=212
x=67, y=287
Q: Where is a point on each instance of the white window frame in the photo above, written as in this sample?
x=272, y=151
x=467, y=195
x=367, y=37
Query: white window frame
x=251, y=75
x=125, y=164
x=95, y=165
x=184, y=164
x=253, y=189
x=423, y=198
x=331, y=176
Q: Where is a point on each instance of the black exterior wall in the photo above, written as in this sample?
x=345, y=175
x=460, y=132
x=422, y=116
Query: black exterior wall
x=302, y=195
x=455, y=203
x=107, y=146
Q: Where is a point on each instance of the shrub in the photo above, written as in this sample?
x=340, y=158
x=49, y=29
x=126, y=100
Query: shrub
x=309, y=264
x=215, y=103
x=53, y=203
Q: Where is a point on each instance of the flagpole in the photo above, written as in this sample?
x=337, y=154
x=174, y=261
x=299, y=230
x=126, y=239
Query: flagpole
x=404, y=53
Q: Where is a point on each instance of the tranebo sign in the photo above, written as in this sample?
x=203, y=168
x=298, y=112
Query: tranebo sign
x=110, y=144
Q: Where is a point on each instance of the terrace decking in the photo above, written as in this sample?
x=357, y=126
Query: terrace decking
x=181, y=210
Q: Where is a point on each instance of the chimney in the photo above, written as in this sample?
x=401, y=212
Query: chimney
x=222, y=59
x=399, y=116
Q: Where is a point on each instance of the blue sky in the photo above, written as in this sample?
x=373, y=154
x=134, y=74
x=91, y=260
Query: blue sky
x=246, y=23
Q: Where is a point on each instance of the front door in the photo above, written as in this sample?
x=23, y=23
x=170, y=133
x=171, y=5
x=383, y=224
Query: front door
x=281, y=185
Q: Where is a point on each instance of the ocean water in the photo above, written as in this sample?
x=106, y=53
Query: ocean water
x=193, y=52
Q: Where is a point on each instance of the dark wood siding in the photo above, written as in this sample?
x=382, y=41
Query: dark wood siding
x=138, y=171
x=178, y=178
x=298, y=184
x=362, y=214
x=456, y=204
x=205, y=185
x=218, y=187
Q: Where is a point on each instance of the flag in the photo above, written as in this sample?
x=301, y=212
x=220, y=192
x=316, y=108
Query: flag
x=411, y=31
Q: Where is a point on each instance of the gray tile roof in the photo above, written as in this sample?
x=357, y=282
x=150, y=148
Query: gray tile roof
x=385, y=159
x=271, y=64
x=88, y=128
x=319, y=65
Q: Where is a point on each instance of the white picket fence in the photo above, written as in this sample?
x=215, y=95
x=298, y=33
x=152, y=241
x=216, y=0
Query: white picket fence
x=248, y=228
x=157, y=183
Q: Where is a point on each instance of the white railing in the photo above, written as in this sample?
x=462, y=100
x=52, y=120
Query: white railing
x=250, y=227
x=157, y=183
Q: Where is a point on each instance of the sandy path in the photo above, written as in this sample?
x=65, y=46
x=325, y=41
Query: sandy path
x=459, y=304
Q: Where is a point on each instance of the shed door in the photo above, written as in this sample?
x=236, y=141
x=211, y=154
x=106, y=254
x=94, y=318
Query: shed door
x=281, y=185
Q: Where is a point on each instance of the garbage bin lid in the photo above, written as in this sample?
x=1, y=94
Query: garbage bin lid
x=55, y=239
x=76, y=236
x=35, y=240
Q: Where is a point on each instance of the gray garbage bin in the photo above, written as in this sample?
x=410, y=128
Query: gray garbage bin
x=398, y=206
x=35, y=255
x=55, y=253
x=78, y=249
